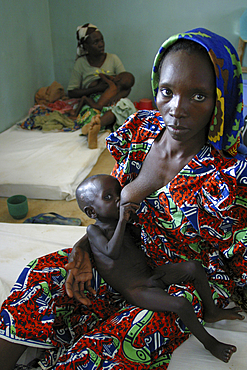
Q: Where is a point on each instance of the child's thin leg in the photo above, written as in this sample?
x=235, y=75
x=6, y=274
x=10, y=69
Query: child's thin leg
x=212, y=313
x=193, y=272
x=9, y=354
x=80, y=105
x=107, y=120
x=155, y=299
x=92, y=113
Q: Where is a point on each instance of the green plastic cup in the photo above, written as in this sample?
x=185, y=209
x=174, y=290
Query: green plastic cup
x=17, y=206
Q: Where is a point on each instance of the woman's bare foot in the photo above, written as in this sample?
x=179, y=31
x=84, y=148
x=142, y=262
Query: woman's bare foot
x=85, y=129
x=95, y=126
x=95, y=121
x=220, y=350
x=223, y=314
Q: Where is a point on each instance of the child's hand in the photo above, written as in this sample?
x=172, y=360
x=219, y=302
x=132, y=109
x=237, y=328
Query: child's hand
x=127, y=209
x=102, y=85
x=107, y=79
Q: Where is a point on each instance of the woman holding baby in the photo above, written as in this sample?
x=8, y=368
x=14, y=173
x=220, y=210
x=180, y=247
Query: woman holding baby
x=185, y=166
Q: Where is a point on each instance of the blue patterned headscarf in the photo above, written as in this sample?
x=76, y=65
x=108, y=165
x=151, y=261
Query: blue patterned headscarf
x=227, y=121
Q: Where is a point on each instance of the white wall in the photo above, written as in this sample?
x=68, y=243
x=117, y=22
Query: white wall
x=26, y=61
x=38, y=43
x=134, y=29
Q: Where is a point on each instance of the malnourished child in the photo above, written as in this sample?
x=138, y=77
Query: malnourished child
x=123, y=265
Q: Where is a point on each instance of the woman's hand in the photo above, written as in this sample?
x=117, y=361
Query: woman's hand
x=80, y=272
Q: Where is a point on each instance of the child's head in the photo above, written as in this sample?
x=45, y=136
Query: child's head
x=125, y=80
x=98, y=196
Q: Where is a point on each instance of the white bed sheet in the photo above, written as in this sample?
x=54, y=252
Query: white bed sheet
x=45, y=165
x=20, y=243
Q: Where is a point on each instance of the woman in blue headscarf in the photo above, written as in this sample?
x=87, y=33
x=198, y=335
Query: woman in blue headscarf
x=186, y=167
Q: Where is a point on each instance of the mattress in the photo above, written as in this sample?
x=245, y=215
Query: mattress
x=21, y=243
x=46, y=165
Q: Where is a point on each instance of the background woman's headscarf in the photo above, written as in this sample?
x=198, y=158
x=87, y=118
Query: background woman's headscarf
x=82, y=33
x=227, y=121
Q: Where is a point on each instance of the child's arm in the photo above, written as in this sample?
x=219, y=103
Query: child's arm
x=111, y=248
x=116, y=242
x=109, y=93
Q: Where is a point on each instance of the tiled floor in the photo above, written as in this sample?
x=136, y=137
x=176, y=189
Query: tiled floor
x=62, y=207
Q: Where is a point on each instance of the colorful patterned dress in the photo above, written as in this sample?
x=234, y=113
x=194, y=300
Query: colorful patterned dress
x=108, y=335
x=201, y=214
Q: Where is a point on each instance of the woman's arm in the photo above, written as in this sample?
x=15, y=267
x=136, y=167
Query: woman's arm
x=79, y=271
x=133, y=192
x=78, y=93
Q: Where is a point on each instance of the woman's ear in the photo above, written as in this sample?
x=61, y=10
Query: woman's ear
x=84, y=45
x=90, y=212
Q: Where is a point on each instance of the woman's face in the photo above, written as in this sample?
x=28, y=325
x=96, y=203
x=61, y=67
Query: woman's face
x=95, y=44
x=186, y=95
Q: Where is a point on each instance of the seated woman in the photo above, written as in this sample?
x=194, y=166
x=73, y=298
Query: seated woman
x=90, y=63
x=91, y=60
x=184, y=166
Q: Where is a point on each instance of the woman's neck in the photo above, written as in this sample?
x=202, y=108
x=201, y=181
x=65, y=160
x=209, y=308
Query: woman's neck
x=96, y=61
x=179, y=149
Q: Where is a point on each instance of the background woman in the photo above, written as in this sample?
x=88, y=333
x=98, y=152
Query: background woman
x=92, y=60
